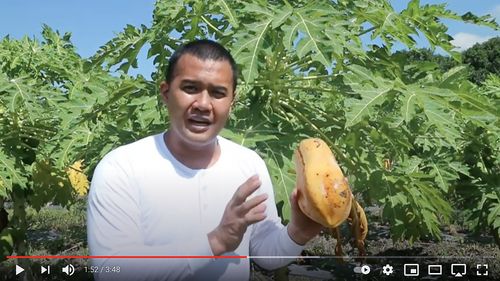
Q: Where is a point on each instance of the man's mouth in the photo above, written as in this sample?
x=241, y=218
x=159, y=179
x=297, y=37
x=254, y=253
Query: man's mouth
x=199, y=121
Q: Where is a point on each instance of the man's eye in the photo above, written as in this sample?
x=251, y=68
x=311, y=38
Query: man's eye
x=190, y=88
x=219, y=94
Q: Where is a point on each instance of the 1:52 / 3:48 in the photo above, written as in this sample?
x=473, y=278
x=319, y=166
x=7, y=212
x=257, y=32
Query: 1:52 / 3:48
x=100, y=269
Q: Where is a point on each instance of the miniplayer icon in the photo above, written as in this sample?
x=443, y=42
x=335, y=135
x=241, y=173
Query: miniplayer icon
x=411, y=269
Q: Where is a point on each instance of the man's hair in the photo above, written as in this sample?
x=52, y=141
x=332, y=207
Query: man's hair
x=205, y=50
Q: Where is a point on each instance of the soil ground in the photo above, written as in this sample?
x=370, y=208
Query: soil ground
x=457, y=246
x=453, y=249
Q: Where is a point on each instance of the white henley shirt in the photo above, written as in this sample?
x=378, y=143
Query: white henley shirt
x=143, y=202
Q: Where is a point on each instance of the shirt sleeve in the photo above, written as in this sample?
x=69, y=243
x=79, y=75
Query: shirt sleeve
x=114, y=229
x=269, y=237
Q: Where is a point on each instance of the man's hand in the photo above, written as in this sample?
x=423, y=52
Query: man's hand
x=238, y=215
x=301, y=228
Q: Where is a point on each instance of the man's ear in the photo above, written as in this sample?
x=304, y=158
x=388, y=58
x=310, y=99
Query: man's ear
x=164, y=91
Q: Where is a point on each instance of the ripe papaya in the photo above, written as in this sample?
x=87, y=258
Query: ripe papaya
x=323, y=191
x=324, y=194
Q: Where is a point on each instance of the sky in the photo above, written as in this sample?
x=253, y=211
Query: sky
x=92, y=22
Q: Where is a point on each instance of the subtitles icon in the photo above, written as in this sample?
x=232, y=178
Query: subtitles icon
x=435, y=269
x=458, y=269
x=482, y=269
x=411, y=269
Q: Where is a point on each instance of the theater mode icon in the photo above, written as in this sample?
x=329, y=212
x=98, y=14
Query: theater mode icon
x=435, y=269
x=411, y=269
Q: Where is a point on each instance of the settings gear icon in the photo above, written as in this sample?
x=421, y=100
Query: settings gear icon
x=387, y=269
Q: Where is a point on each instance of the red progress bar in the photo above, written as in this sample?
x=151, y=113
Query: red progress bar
x=127, y=257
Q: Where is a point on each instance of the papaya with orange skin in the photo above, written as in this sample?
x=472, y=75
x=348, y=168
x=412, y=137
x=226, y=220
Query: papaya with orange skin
x=324, y=194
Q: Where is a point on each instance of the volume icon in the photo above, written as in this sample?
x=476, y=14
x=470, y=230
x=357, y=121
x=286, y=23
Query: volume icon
x=69, y=269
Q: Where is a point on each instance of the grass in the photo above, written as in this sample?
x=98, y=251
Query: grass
x=58, y=231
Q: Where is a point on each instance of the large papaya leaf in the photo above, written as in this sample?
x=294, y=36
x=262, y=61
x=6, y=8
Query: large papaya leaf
x=283, y=177
x=10, y=175
x=249, y=50
x=306, y=34
x=372, y=90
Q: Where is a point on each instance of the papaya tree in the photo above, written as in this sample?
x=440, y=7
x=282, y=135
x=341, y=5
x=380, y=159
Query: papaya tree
x=59, y=116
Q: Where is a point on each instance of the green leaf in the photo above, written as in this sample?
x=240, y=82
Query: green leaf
x=225, y=7
x=282, y=15
x=125, y=47
x=282, y=174
x=372, y=89
x=10, y=175
x=444, y=174
x=411, y=165
x=408, y=108
x=443, y=119
x=249, y=137
x=306, y=33
x=494, y=213
x=249, y=50
x=6, y=243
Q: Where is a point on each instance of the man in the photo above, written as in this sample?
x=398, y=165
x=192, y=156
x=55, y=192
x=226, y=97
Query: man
x=188, y=191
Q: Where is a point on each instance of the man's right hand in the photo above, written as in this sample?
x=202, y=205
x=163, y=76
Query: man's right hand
x=238, y=215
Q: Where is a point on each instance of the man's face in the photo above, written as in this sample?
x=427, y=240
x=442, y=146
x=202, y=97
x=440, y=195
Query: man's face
x=198, y=99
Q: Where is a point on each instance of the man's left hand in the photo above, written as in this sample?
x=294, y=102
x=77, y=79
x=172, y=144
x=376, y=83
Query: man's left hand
x=301, y=228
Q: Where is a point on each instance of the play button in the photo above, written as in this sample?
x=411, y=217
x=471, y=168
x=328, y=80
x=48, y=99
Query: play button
x=19, y=269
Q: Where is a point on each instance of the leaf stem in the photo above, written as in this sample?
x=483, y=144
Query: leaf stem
x=313, y=77
x=298, y=102
x=211, y=25
x=23, y=98
x=7, y=137
x=299, y=61
x=33, y=128
x=304, y=64
x=367, y=30
x=310, y=88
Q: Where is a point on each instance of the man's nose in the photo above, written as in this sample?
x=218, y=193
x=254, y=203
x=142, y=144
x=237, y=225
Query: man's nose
x=203, y=100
